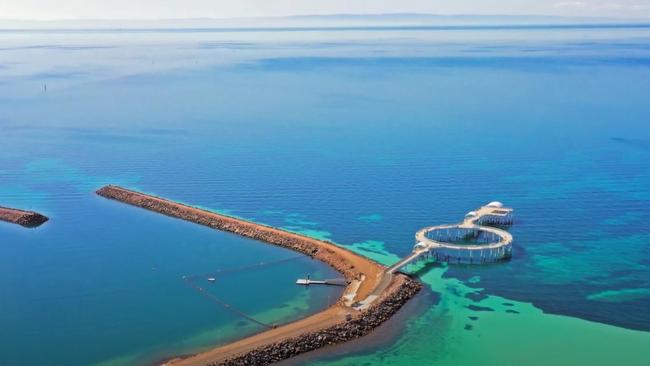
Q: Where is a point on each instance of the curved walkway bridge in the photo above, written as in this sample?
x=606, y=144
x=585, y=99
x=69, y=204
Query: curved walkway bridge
x=475, y=240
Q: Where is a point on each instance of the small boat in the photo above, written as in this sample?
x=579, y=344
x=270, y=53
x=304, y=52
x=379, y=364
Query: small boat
x=211, y=279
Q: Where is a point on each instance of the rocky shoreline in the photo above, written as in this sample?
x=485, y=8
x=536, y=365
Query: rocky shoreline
x=371, y=297
x=27, y=219
x=402, y=290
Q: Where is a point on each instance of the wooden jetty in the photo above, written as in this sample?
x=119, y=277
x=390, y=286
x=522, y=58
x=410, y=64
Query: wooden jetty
x=332, y=282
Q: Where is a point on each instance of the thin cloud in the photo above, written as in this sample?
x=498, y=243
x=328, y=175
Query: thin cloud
x=569, y=4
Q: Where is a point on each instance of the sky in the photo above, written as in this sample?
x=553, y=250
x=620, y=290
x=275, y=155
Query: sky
x=157, y=9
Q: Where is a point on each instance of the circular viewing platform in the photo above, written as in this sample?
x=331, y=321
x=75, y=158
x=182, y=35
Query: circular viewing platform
x=475, y=240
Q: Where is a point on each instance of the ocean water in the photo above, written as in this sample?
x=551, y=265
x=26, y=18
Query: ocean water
x=357, y=136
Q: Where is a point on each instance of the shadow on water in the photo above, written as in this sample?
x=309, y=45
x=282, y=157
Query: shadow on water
x=427, y=266
x=638, y=143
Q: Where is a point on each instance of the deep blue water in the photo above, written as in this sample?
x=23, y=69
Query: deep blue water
x=352, y=135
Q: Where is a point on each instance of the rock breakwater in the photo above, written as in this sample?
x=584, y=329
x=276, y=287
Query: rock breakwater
x=371, y=297
x=308, y=246
x=28, y=219
x=401, y=290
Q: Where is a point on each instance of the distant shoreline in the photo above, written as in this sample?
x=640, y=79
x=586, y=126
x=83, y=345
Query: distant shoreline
x=333, y=28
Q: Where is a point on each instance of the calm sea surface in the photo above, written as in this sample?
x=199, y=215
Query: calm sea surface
x=357, y=136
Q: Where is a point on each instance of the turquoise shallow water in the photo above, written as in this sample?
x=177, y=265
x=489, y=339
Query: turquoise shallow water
x=360, y=137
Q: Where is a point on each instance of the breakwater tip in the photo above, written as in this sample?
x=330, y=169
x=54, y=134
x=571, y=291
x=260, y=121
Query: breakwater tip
x=28, y=219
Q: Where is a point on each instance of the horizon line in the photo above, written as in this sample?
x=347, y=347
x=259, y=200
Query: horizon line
x=326, y=15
